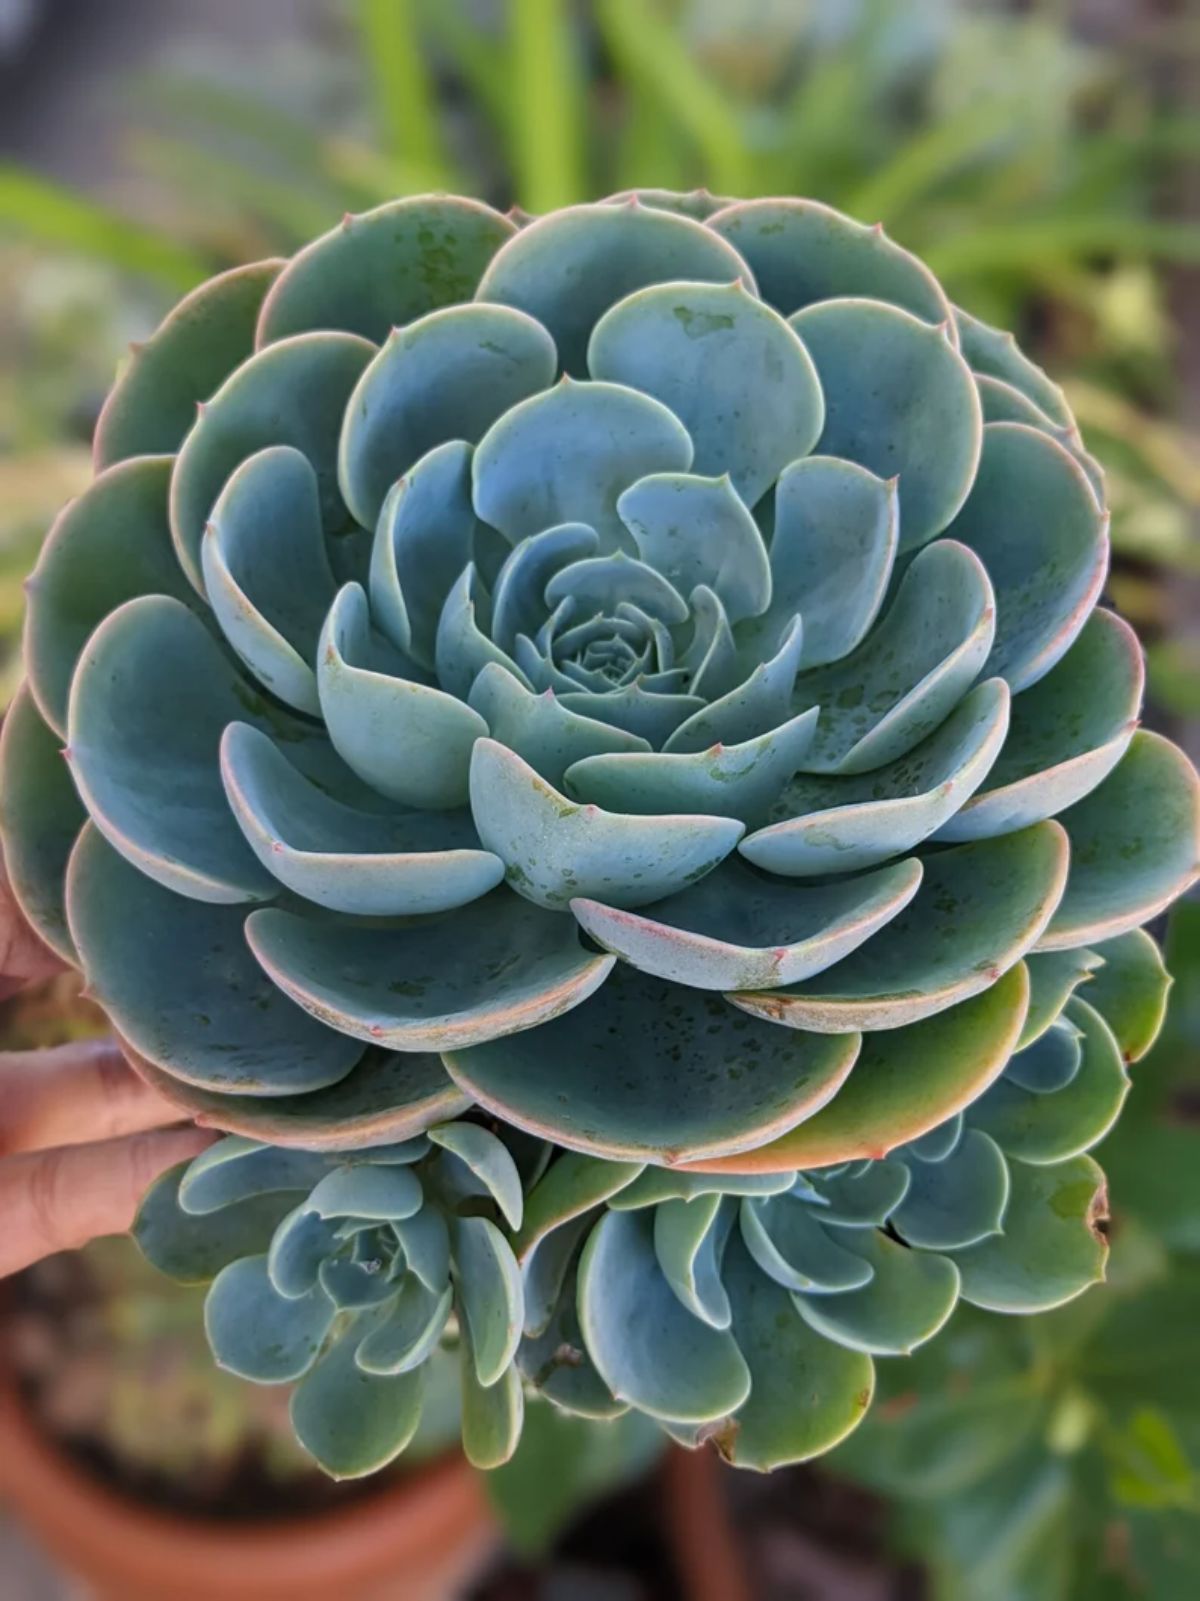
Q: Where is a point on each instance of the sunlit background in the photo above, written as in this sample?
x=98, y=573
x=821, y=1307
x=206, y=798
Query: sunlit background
x=1043, y=158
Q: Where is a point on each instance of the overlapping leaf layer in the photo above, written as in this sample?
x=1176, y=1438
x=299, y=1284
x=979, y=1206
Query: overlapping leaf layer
x=595, y=756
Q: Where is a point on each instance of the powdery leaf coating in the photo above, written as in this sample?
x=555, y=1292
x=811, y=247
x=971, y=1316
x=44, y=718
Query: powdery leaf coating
x=594, y=757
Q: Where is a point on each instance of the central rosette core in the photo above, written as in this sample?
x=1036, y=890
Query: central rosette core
x=672, y=644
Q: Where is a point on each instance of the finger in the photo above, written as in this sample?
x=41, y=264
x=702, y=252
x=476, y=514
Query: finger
x=71, y=1094
x=24, y=959
x=58, y=1200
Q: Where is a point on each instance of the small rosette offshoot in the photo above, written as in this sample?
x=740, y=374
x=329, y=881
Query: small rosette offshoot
x=628, y=685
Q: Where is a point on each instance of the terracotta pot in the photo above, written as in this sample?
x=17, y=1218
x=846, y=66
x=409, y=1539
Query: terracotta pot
x=416, y=1538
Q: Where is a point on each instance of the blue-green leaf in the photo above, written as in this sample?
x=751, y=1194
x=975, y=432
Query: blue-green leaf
x=568, y=454
x=899, y=400
x=446, y=376
x=430, y=984
x=568, y=268
x=376, y=271
x=180, y=984
x=649, y=1350
x=259, y=1334
x=727, y=365
x=555, y=850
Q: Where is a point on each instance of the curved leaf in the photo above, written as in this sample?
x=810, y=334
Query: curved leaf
x=1135, y=845
x=905, y=1083
x=900, y=400
x=385, y=1096
x=802, y=251
x=956, y=1201
x=424, y=535
x=108, y=546
x=697, y=530
x=407, y=1335
x=293, y=393
x=446, y=376
x=988, y=350
x=489, y=1159
x=568, y=268
x=694, y=1077
x=259, y=1334
x=648, y=1349
x=908, y=1299
x=689, y=1241
x=556, y=1362
x=1051, y=1249
x=491, y=1418
x=237, y=1169
x=1053, y=977
x=381, y=1192
x=1051, y=1062
x=730, y=369
x=385, y=267
x=410, y=742
x=832, y=550
x=540, y=729
x=180, y=985
x=1129, y=991
x=555, y=850
x=757, y=706
x=40, y=817
x=344, y=859
x=566, y=456
x=149, y=701
x=488, y=1289
x=910, y=671
x=267, y=573
x=351, y=1421
x=739, y=781
x=436, y=984
x=806, y=1393
x=1066, y=734
x=844, y=822
x=519, y=598
x=573, y=1185
x=201, y=341
x=786, y=1240
x=737, y=931
x=978, y=909
x=1050, y=1127
x=193, y=1250
x=1032, y=518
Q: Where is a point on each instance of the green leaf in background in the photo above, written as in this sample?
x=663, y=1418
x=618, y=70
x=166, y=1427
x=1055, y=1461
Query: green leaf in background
x=547, y=97
x=654, y=60
x=407, y=114
x=46, y=211
x=562, y=1464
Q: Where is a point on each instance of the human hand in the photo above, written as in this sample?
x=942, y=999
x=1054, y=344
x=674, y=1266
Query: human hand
x=81, y=1136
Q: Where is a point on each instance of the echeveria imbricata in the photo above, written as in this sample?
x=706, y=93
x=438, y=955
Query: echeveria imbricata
x=595, y=756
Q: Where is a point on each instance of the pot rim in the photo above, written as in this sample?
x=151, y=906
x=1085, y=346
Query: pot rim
x=407, y=1525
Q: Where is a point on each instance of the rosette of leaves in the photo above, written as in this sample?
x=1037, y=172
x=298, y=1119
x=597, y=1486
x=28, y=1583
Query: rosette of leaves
x=636, y=672
x=345, y=1275
x=745, y=1309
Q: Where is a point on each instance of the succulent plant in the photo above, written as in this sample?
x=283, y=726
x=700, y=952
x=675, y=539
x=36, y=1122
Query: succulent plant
x=594, y=756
